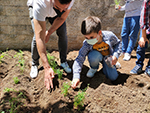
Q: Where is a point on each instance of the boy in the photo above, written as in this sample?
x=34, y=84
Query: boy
x=131, y=26
x=96, y=46
x=144, y=40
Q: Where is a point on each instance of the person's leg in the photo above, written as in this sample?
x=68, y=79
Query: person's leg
x=62, y=42
x=34, y=53
x=147, y=70
x=125, y=33
x=110, y=72
x=140, y=54
x=94, y=57
x=134, y=29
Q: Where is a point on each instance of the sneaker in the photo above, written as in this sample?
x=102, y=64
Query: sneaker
x=66, y=67
x=147, y=71
x=118, y=65
x=127, y=57
x=34, y=71
x=91, y=72
x=136, y=70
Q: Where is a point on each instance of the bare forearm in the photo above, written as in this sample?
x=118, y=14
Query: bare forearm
x=40, y=28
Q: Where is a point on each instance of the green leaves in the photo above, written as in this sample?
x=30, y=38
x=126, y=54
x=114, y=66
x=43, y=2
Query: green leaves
x=65, y=88
x=54, y=66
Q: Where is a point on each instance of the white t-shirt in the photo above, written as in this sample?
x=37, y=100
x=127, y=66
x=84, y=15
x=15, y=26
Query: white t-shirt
x=44, y=8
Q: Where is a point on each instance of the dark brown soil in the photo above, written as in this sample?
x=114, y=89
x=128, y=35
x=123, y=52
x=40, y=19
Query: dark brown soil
x=128, y=94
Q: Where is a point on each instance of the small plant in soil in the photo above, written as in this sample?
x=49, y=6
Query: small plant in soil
x=116, y=3
x=21, y=61
x=8, y=90
x=64, y=89
x=2, y=56
x=54, y=66
x=16, y=80
x=15, y=102
x=79, y=99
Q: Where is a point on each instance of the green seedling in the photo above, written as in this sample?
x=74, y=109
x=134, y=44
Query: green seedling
x=2, y=56
x=8, y=90
x=19, y=54
x=21, y=61
x=15, y=102
x=22, y=64
x=3, y=112
x=117, y=2
x=16, y=80
x=65, y=88
x=59, y=72
x=53, y=64
x=79, y=99
x=51, y=61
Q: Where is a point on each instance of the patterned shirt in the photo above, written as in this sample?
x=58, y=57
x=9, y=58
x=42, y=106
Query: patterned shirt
x=145, y=16
x=114, y=49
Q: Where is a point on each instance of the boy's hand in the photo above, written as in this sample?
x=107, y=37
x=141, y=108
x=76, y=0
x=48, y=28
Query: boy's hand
x=114, y=60
x=117, y=7
x=75, y=83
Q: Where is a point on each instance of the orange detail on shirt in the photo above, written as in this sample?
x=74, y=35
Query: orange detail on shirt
x=103, y=48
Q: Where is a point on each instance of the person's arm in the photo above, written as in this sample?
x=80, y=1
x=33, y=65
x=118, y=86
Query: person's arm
x=143, y=39
x=144, y=24
x=57, y=23
x=40, y=29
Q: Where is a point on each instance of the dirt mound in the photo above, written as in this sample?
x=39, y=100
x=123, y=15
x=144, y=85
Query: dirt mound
x=128, y=94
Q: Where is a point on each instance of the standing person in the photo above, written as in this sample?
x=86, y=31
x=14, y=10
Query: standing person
x=98, y=45
x=144, y=40
x=130, y=26
x=56, y=11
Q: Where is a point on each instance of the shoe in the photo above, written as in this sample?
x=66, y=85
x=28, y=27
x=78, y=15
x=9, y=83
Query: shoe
x=66, y=67
x=147, y=71
x=34, y=71
x=127, y=57
x=136, y=70
x=91, y=72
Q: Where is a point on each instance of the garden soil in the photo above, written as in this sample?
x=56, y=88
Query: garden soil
x=128, y=94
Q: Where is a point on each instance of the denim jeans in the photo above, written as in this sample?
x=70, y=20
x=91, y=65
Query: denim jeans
x=62, y=43
x=130, y=29
x=140, y=54
x=94, y=58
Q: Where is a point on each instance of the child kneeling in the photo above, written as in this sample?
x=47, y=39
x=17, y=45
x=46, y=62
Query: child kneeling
x=97, y=46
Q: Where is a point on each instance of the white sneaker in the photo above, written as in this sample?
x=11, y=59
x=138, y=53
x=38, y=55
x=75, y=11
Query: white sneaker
x=118, y=65
x=127, y=56
x=66, y=67
x=91, y=72
x=34, y=71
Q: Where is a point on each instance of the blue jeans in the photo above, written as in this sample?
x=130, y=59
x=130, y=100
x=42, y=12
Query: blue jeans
x=140, y=54
x=62, y=42
x=130, y=29
x=94, y=57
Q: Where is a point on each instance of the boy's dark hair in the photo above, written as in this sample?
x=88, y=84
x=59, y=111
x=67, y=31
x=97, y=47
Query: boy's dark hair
x=65, y=1
x=90, y=24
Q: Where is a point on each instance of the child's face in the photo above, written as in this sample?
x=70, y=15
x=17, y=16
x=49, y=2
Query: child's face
x=93, y=38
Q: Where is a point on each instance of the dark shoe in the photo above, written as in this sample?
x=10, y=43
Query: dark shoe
x=136, y=70
x=147, y=71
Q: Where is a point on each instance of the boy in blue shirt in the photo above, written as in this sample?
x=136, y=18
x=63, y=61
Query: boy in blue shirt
x=97, y=45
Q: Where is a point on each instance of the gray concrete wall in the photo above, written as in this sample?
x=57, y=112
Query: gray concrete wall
x=16, y=31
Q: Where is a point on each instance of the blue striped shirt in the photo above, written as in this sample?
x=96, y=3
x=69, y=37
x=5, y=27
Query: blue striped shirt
x=108, y=37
